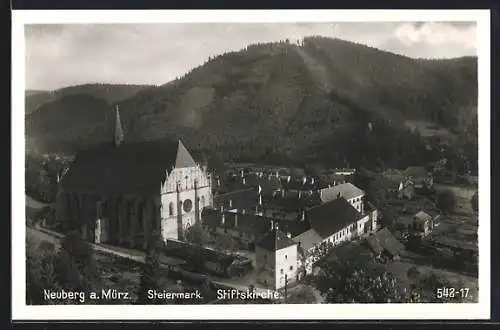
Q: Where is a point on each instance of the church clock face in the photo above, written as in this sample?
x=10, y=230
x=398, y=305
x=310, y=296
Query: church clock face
x=187, y=205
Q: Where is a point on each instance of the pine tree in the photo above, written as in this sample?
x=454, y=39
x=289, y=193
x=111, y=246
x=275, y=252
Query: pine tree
x=76, y=268
x=150, y=277
x=474, y=202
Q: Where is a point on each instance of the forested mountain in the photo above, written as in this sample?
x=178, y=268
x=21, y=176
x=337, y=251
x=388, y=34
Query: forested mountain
x=111, y=93
x=320, y=99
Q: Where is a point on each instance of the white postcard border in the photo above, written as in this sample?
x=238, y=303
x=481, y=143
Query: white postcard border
x=20, y=311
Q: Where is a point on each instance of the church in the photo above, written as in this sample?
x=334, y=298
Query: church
x=120, y=192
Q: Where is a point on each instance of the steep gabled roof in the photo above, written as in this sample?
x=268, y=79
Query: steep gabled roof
x=275, y=240
x=328, y=218
x=385, y=240
x=346, y=190
x=131, y=167
x=308, y=239
x=183, y=157
x=422, y=216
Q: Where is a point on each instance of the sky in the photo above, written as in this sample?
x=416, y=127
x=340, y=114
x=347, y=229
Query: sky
x=63, y=55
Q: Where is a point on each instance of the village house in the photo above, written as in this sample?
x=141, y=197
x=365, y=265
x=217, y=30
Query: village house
x=244, y=228
x=397, y=185
x=347, y=191
x=331, y=224
x=333, y=179
x=420, y=177
x=247, y=228
x=298, y=187
x=268, y=184
x=383, y=243
x=276, y=257
x=420, y=224
x=314, y=226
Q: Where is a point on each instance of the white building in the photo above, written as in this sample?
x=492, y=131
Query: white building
x=348, y=191
x=276, y=259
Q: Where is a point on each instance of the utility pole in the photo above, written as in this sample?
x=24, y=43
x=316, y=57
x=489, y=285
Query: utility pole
x=286, y=287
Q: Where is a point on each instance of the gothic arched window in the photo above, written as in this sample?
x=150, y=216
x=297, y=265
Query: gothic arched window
x=171, y=209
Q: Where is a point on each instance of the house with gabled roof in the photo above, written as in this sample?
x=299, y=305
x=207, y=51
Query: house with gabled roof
x=420, y=177
x=332, y=223
x=383, y=242
x=276, y=259
x=347, y=191
x=420, y=223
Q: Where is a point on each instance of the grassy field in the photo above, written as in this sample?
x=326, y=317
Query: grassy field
x=460, y=227
x=456, y=230
x=427, y=129
x=33, y=207
x=456, y=280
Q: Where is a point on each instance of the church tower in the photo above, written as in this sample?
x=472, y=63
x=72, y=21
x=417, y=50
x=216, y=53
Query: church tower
x=118, y=132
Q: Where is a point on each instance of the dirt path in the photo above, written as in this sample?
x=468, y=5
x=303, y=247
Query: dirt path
x=463, y=192
x=318, y=70
x=166, y=262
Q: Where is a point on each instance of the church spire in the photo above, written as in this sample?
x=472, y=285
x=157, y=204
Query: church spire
x=118, y=129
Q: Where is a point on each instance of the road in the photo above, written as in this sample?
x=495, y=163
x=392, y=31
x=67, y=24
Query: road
x=40, y=235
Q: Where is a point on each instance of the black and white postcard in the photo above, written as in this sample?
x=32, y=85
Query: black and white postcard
x=182, y=165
